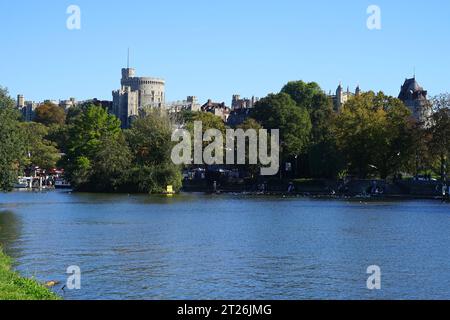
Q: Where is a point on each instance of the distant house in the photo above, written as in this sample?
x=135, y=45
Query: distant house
x=218, y=109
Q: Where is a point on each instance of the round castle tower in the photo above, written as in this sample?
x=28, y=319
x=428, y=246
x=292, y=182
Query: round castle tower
x=151, y=90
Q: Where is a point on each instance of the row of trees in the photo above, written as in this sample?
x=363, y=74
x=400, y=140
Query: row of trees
x=374, y=135
x=22, y=144
x=100, y=156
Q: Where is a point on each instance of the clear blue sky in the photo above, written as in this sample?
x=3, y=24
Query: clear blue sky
x=213, y=48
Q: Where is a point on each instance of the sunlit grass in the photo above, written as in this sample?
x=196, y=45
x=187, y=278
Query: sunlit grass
x=15, y=287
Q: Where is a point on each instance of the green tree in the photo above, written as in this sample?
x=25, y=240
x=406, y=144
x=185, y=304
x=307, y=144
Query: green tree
x=150, y=141
x=279, y=111
x=97, y=156
x=111, y=165
x=323, y=158
x=209, y=121
x=12, y=150
x=440, y=132
x=250, y=124
x=375, y=132
x=49, y=114
x=40, y=151
x=312, y=98
x=303, y=93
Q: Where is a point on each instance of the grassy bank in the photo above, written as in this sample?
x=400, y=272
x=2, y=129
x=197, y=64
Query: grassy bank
x=15, y=287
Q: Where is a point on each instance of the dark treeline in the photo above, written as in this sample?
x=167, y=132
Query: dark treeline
x=373, y=135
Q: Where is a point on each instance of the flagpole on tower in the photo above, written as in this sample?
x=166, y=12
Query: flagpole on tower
x=128, y=59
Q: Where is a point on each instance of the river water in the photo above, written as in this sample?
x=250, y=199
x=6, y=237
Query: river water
x=195, y=246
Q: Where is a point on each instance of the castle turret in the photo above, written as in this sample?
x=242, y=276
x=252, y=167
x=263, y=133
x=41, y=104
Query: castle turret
x=339, y=89
x=128, y=73
x=415, y=98
x=20, y=102
x=339, y=97
x=342, y=97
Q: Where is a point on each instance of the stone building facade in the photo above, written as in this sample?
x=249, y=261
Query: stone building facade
x=125, y=105
x=238, y=103
x=218, y=109
x=27, y=108
x=67, y=104
x=240, y=110
x=190, y=104
x=342, y=97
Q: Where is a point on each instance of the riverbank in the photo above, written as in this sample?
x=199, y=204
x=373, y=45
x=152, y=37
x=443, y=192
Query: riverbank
x=407, y=189
x=15, y=287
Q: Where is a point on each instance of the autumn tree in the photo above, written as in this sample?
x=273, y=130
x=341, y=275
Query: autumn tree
x=40, y=151
x=49, y=114
x=440, y=132
x=375, y=133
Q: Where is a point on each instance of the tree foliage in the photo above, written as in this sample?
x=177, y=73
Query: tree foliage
x=250, y=124
x=279, y=111
x=40, y=151
x=97, y=156
x=375, y=132
x=49, y=114
x=322, y=158
x=440, y=132
x=312, y=98
x=150, y=141
x=12, y=148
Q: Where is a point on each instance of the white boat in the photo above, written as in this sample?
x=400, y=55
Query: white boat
x=22, y=183
x=62, y=184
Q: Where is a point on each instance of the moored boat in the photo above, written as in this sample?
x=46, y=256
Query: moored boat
x=62, y=184
x=22, y=183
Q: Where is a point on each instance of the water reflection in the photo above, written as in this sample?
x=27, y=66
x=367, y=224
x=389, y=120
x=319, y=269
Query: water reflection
x=9, y=231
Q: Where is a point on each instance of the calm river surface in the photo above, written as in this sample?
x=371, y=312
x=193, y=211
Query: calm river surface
x=228, y=247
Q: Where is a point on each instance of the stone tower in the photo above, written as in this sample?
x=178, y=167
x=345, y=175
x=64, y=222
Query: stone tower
x=151, y=90
x=339, y=97
x=415, y=98
x=137, y=93
x=20, y=102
